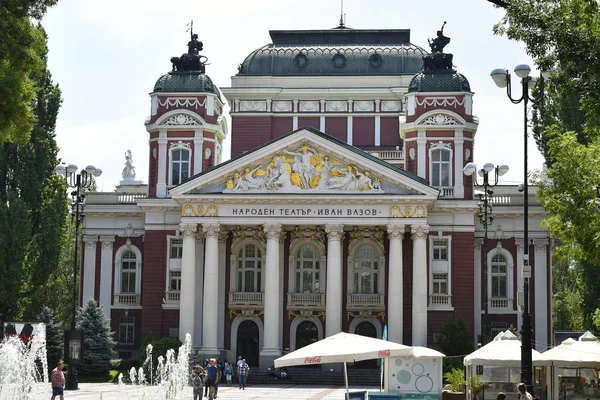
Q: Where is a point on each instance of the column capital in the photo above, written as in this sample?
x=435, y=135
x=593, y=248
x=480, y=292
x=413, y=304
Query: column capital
x=334, y=232
x=520, y=244
x=273, y=231
x=188, y=229
x=419, y=231
x=107, y=241
x=211, y=230
x=540, y=244
x=396, y=231
x=223, y=235
x=90, y=240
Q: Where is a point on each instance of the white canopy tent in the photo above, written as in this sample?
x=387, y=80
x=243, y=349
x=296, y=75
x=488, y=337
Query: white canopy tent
x=347, y=347
x=581, y=353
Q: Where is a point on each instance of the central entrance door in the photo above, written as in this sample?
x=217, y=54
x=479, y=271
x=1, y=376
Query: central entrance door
x=306, y=334
x=248, y=342
x=366, y=329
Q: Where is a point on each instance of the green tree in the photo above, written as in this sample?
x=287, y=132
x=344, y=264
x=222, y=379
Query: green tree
x=54, y=336
x=22, y=56
x=98, y=341
x=33, y=207
x=455, y=341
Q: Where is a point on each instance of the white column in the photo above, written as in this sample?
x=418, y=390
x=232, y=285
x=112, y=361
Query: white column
x=198, y=153
x=272, y=283
x=222, y=296
x=395, y=311
x=519, y=266
x=161, y=186
x=377, y=130
x=295, y=117
x=322, y=123
x=199, y=292
x=422, y=154
x=478, y=280
x=106, y=273
x=187, y=303
x=333, y=303
x=89, y=267
x=349, y=128
x=459, y=163
x=540, y=282
x=419, y=296
x=211, y=282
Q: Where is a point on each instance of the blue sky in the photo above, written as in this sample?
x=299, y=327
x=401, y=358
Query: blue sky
x=106, y=56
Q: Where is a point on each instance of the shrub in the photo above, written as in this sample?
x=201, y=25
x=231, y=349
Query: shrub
x=455, y=379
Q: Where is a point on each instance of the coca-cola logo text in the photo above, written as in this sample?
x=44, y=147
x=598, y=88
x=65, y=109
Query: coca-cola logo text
x=312, y=360
x=383, y=353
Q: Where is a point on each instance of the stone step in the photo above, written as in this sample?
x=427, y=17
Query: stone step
x=312, y=375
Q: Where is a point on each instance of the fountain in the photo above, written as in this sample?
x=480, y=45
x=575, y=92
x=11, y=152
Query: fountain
x=23, y=367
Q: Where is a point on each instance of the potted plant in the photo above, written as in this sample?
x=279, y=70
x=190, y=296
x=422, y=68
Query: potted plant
x=455, y=382
x=475, y=386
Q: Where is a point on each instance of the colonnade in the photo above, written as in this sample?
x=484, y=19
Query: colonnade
x=334, y=290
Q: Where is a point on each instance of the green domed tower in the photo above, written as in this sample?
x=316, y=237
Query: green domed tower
x=186, y=123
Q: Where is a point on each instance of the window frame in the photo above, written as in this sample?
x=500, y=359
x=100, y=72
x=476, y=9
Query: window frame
x=356, y=244
x=184, y=147
x=441, y=147
x=118, y=268
x=235, y=249
x=299, y=268
x=440, y=267
x=294, y=247
x=129, y=326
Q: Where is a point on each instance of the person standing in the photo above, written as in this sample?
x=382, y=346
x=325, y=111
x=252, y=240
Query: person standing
x=242, y=372
x=197, y=379
x=58, y=381
x=523, y=394
x=228, y=372
x=212, y=376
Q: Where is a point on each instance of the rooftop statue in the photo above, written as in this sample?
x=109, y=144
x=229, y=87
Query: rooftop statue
x=191, y=61
x=129, y=170
x=437, y=60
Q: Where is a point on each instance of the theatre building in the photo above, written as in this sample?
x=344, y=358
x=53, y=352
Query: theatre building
x=343, y=207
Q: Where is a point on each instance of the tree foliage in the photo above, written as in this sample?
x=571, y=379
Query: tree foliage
x=54, y=336
x=565, y=34
x=98, y=341
x=33, y=208
x=22, y=57
x=455, y=341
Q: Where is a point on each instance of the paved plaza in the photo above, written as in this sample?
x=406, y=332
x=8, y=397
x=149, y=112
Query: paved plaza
x=107, y=391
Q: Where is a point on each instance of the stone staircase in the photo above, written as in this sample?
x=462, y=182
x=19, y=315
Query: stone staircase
x=313, y=375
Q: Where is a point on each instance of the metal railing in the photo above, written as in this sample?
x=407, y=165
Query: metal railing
x=365, y=300
x=306, y=301
x=127, y=299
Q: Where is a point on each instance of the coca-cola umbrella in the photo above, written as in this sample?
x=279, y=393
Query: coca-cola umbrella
x=344, y=347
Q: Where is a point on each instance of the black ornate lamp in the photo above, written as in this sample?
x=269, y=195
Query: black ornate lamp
x=74, y=339
x=486, y=219
x=502, y=78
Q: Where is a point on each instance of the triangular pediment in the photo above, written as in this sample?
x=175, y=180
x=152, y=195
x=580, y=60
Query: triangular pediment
x=305, y=162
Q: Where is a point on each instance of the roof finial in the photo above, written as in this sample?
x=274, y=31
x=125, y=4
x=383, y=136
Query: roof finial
x=342, y=25
x=190, y=28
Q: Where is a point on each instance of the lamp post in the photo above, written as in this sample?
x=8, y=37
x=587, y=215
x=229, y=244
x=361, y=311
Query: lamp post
x=77, y=181
x=502, y=79
x=486, y=219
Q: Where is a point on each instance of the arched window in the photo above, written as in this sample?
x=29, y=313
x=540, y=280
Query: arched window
x=180, y=166
x=440, y=168
x=499, y=278
x=308, y=269
x=306, y=334
x=249, y=269
x=128, y=272
x=366, y=269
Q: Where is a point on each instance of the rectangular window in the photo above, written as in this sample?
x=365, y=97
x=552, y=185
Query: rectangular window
x=126, y=330
x=175, y=281
x=440, y=250
x=176, y=248
x=440, y=168
x=127, y=280
x=440, y=283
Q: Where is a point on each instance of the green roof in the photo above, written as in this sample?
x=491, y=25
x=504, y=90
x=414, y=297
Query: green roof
x=450, y=81
x=186, y=82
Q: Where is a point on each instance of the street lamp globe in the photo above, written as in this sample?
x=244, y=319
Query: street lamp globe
x=469, y=169
x=522, y=70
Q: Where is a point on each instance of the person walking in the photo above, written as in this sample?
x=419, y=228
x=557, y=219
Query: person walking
x=523, y=393
x=197, y=380
x=228, y=372
x=212, y=377
x=242, y=372
x=58, y=381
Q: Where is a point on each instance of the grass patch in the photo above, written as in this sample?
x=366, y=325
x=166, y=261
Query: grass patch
x=110, y=376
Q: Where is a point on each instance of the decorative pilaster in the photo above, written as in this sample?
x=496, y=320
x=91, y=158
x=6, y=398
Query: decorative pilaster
x=89, y=267
x=333, y=305
x=222, y=295
x=187, y=302
x=106, y=263
x=161, y=185
x=419, y=298
x=272, y=301
x=422, y=153
x=198, y=153
x=459, y=163
x=211, y=282
x=540, y=283
x=199, y=289
x=395, y=307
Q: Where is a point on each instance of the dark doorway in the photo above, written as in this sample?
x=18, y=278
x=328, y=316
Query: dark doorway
x=366, y=329
x=306, y=333
x=248, y=342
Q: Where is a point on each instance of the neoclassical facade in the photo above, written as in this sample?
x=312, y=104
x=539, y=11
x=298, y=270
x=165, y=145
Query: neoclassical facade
x=343, y=207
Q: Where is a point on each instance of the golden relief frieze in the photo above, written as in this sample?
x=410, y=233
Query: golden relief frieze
x=408, y=211
x=191, y=210
x=302, y=170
